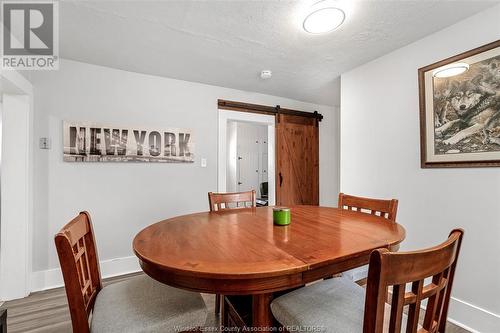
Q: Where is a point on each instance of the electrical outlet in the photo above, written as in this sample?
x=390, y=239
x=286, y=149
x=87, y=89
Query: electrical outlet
x=203, y=162
x=44, y=143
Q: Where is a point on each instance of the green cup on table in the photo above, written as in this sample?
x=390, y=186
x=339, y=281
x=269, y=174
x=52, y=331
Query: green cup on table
x=281, y=216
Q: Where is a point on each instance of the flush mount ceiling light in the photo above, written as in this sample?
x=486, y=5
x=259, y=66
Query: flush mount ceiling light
x=450, y=70
x=324, y=16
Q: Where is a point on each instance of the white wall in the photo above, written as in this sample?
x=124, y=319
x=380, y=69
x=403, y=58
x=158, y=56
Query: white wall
x=380, y=157
x=124, y=198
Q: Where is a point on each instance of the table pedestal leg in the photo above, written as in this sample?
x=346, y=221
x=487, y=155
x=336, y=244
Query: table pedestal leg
x=261, y=310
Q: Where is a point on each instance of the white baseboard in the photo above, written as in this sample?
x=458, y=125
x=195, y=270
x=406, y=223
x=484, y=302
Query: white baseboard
x=472, y=317
x=52, y=278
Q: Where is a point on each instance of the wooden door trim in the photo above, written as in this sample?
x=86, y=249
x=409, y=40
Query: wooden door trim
x=265, y=109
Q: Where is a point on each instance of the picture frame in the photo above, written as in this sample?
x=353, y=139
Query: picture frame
x=460, y=113
x=86, y=141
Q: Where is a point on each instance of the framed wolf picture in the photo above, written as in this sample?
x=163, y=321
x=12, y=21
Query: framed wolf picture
x=460, y=110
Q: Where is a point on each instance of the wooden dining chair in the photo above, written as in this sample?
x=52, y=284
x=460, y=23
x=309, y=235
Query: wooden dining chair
x=225, y=201
x=235, y=200
x=340, y=305
x=387, y=209
x=138, y=304
x=384, y=208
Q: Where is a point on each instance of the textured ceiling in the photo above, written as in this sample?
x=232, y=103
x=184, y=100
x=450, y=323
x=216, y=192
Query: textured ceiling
x=228, y=43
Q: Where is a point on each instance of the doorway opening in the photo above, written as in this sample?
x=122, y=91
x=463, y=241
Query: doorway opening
x=292, y=152
x=246, y=159
x=247, y=154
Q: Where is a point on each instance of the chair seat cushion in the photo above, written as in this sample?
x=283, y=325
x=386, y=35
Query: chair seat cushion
x=141, y=304
x=334, y=305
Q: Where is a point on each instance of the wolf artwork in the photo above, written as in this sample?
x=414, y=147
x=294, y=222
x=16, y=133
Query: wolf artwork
x=467, y=110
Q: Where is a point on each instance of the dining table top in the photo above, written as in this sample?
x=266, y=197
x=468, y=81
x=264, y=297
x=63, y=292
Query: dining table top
x=244, y=243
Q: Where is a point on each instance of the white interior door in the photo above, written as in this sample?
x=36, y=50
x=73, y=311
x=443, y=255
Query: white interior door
x=248, y=151
x=263, y=155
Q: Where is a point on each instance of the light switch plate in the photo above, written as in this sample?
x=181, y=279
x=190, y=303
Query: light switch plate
x=203, y=162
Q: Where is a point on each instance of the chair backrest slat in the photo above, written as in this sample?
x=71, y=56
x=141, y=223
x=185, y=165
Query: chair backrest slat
x=399, y=269
x=76, y=248
x=223, y=201
x=414, y=307
x=398, y=298
x=384, y=208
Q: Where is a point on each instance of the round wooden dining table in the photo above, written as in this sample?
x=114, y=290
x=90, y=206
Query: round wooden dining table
x=241, y=252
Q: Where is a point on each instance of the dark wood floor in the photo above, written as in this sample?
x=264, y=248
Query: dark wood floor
x=47, y=312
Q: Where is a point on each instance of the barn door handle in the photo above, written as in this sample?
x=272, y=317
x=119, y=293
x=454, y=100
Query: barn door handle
x=281, y=179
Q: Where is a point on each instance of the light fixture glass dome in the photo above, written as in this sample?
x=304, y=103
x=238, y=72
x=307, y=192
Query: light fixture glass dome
x=450, y=70
x=323, y=20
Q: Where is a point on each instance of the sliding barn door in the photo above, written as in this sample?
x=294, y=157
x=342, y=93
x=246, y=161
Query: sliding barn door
x=297, y=160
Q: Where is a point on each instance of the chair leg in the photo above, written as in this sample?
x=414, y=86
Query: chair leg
x=217, y=303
